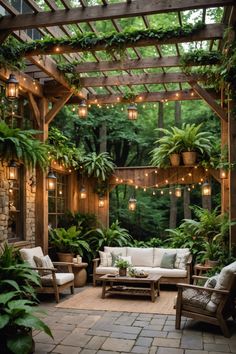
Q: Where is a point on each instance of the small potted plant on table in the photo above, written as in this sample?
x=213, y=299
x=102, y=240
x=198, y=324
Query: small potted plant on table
x=122, y=264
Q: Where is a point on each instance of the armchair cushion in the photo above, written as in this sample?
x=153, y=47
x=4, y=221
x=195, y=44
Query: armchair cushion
x=28, y=254
x=195, y=297
x=61, y=279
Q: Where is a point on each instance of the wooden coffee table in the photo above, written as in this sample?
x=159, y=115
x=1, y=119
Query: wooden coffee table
x=131, y=286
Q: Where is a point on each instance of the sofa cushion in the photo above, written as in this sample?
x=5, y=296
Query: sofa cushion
x=168, y=260
x=158, y=254
x=105, y=259
x=116, y=250
x=223, y=283
x=27, y=254
x=141, y=256
x=106, y=270
x=61, y=278
x=171, y=273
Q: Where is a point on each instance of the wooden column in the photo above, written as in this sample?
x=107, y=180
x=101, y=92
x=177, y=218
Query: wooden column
x=160, y=118
x=41, y=202
x=225, y=181
x=232, y=173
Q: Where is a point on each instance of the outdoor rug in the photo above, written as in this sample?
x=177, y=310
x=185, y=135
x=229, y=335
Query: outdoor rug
x=90, y=299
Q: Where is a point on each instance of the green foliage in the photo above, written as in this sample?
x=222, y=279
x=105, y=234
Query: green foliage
x=98, y=166
x=200, y=57
x=22, y=146
x=17, y=309
x=122, y=263
x=152, y=242
x=9, y=58
x=111, y=236
x=62, y=150
x=68, y=241
x=84, y=221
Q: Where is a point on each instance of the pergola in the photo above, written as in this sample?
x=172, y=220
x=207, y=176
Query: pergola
x=152, y=74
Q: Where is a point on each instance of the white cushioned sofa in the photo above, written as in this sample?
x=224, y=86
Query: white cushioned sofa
x=149, y=260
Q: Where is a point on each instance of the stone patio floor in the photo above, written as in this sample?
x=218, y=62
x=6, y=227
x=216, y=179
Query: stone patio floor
x=105, y=332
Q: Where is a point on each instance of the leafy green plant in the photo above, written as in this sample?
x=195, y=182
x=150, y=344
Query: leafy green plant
x=111, y=236
x=17, y=304
x=98, y=166
x=153, y=242
x=22, y=146
x=85, y=222
x=192, y=139
x=122, y=263
x=68, y=241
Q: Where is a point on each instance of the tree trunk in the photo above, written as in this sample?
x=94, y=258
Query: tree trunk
x=173, y=209
x=177, y=114
x=206, y=202
x=187, y=210
x=103, y=137
x=160, y=123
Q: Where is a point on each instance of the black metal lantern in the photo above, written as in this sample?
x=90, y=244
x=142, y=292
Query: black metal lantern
x=132, y=112
x=132, y=204
x=12, y=171
x=83, y=111
x=83, y=194
x=12, y=88
x=178, y=192
x=51, y=181
x=206, y=189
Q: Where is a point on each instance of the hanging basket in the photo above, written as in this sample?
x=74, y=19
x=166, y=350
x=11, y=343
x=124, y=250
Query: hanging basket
x=189, y=157
x=175, y=160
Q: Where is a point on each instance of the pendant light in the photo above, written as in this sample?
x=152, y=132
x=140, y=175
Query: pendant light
x=132, y=204
x=51, y=181
x=132, y=112
x=12, y=171
x=101, y=202
x=206, y=189
x=83, y=111
x=83, y=194
x=178, y=192
x=12, y=88
x=223, y=174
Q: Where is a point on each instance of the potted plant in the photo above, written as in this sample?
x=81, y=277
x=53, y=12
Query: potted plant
x=192, y=141
x=21, y=146
x=122, y=264
x=98, y=166
x=168, y=150
x=212, y=253
x=18, y=304
x=68, y=242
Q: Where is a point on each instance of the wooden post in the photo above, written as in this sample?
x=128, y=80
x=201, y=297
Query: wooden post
x=41, y=202
x=160, y=123
x=225, y=181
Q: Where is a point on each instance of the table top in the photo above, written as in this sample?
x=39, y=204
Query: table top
x=80, y=265
x=127, y=279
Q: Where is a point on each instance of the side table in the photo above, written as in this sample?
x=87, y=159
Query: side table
x=79, y=270
x=200, y=268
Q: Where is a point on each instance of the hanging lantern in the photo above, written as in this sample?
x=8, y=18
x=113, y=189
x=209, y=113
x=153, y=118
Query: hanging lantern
x=12, y=88
x=206, y=189
x=51, y=181
x=12, y=171
x=83, y=194
x=132, y=112
x=83, y=111
x=101, y=202
x=178, y=192
x=132, y=204
x=223, y=174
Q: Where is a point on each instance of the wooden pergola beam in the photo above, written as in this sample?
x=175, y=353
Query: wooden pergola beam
x=209, y=100
x=56, y=107
x=108, y=12
x=163, y=96
x=26, y=83
x=35, y=109
x=211, y=31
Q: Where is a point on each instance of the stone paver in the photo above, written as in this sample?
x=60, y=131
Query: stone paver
x=111, y=332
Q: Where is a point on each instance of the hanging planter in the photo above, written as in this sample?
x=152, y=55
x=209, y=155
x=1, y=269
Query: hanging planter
x=189, y=157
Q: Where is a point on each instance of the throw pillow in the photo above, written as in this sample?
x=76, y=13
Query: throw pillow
x=105, y=259
x=115, y=257
x=211, y=282
x=181, y=260
x=168, y=260
x=43, y=262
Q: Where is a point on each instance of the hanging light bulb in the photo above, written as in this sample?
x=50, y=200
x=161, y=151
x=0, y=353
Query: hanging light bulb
x=12, y=171
x=206, y=189
x=12, y=88
x=132, y=112
x=101, y=201
x=132, y=204
x=83, y=194
x=178, y=192
x=51, y=181
x=83, y=111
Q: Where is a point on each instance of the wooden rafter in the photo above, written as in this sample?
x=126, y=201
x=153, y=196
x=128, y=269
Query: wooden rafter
x=34, y=107
x=56, y=107
x=212, y=31
x=209, y=100
x=98, y=12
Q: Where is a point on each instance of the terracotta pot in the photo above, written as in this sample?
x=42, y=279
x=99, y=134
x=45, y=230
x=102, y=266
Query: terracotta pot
x=210, y=263
x=175, y=160
x=65, y=257
x=189, y=157
x=122, y=272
